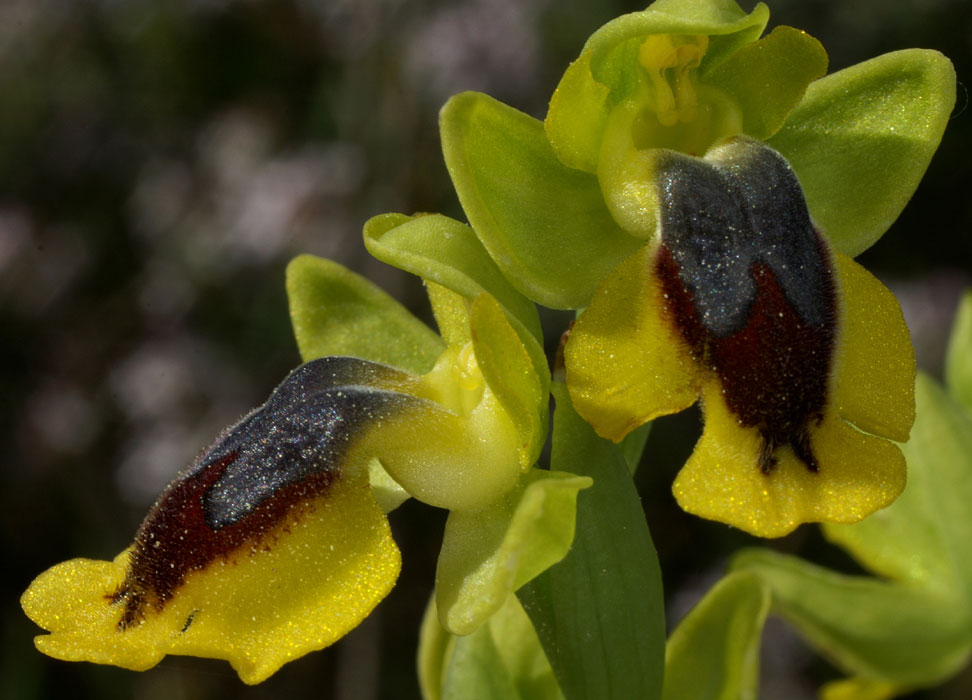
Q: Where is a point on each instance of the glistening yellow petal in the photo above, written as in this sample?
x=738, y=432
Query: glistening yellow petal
x=874, y=370
x=858, y=475
x=626, y=363
x=306, y=585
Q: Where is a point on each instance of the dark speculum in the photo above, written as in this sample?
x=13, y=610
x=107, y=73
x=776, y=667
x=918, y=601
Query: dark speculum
x=260, y=474
x=750, y=285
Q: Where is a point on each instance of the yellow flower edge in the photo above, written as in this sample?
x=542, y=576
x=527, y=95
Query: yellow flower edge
x=859, y=474
x=627, y=364
x=306, y=585
x=872, y=389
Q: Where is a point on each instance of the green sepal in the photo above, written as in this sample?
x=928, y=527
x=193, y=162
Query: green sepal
x=502, y=660
x=862, y=138
x=899, y=634
x=925, y=537
x=544, y=224
x=599, y=613
x=486, y=555
x=447, y=252
x=337, y=312
x=769, y=77
x=713, y=654
x=958, y=360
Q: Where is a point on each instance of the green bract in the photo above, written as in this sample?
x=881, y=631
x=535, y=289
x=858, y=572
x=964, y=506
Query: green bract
x=713, y=654
x=558, y=204
x=912, y=627
x=501, y=659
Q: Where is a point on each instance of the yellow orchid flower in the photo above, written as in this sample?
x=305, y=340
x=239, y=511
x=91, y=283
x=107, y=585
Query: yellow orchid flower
x=801, y=358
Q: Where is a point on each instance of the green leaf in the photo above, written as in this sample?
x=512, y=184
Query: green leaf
x=904, y=635
x=599, y=613
x=713, y=654
x=488, y=554
x=925, y=537
x=543, y=223
x=862, y=138
x=769, y=77
x=337, y=312
x=447, y=252
x=958, y=361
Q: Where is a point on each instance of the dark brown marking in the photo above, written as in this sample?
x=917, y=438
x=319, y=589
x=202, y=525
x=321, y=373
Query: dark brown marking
x=774, y=370
x=749, y=284
x=175, y=539
x=259, y=477
x=680, y=303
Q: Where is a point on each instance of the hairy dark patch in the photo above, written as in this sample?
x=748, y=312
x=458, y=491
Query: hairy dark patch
x=260, y=476
x=749, y=284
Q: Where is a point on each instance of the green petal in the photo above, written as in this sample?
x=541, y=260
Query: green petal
x=768, y=78
x=337, y=312
x=958, y=361
x=451, y=311
x=510, y=373
x=875, y=629
x=714, y=652
x=925, y=537
x=577, y=115
x=488, y=554
x=599, y=613
x=615, y=45
x=447, y=252
x=281, y=602
x=862, y=138
x=543, y=223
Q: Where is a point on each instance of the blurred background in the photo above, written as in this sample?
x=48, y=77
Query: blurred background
x=160, y=162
